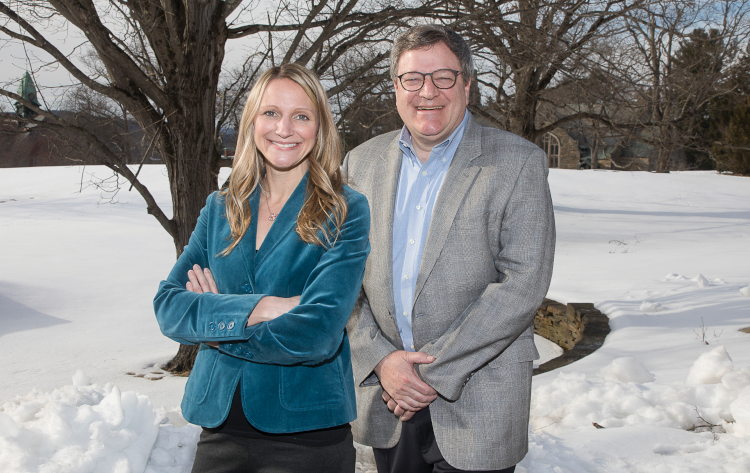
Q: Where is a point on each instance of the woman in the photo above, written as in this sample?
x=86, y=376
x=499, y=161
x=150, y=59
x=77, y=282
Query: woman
x=266, y=286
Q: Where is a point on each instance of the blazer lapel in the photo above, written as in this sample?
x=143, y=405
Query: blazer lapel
x=247, y=244
x=384, y=193
x=284, y=223
x=457, y=182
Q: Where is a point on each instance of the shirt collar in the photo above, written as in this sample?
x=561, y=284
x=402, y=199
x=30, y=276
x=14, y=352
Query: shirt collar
x=404, y=141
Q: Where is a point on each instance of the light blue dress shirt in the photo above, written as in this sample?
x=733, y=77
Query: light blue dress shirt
x=418, y=188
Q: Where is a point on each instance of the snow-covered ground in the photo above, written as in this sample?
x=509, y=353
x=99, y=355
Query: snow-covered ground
x=666, y=257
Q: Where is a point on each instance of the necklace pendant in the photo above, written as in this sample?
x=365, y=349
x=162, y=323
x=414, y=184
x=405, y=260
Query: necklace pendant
x=273, y=216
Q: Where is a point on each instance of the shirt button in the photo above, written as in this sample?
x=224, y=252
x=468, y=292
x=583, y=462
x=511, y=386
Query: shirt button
x=424, y=173
x=406, y=314
x=443, y=159
x=412, y=346
x=419, y=207
x=411, y=241
x=406, y=276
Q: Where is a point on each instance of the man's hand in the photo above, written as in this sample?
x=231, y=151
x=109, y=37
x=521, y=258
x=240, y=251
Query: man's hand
x=403, y=390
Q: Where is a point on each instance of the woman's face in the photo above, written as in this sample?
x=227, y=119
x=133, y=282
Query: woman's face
x=286, y=126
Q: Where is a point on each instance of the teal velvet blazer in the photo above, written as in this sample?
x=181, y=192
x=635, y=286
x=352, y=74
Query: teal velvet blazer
x=295, y=370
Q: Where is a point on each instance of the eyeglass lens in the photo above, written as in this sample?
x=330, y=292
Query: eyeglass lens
x=442, y=78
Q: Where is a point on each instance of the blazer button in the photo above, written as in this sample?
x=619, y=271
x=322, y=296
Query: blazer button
x=248, y=288
x=211, y=326
x=248, y=354
x=221, y=325
x=230, y=325
x=237, y=350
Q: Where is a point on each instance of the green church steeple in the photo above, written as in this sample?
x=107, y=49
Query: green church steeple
x=27, y=90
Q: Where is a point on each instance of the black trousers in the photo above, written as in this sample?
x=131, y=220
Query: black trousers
x=222, y=453
x=417, y=451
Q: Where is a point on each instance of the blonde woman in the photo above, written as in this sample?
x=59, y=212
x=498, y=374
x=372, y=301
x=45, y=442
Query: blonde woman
x=266, y=286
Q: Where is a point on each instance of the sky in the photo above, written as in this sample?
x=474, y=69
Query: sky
x=52, y=79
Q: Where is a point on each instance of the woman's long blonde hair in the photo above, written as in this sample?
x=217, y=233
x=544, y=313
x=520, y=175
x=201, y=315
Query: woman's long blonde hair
x=325, y=207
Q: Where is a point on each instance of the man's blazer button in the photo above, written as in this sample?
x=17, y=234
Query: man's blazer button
x=248, y=288
x=211, y=326
x=221, y=325
x=230, y=325
x=237, y=350
x=248, y=354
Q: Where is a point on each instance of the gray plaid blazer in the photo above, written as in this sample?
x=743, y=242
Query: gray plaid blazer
x=486, y=266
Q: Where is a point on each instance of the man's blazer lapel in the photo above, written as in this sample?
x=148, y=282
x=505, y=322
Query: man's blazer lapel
x=384, y=199
x=457, y=183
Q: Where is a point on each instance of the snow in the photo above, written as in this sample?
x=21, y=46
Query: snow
x=547, y=350
x=665, y=256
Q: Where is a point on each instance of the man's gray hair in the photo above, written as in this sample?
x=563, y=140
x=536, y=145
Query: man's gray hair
x=424, y=36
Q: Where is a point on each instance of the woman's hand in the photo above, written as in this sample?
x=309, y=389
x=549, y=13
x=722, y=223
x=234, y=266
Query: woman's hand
x=271, y=307
x=201, y=280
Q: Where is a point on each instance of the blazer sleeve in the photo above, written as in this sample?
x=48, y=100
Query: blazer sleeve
x=188, y=317
x=504, y=309
x=313, y=331
x=369, y=345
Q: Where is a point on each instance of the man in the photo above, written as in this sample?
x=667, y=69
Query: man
x=462, y=239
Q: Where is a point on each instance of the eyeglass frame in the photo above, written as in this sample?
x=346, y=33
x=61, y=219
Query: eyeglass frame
x=424, y=79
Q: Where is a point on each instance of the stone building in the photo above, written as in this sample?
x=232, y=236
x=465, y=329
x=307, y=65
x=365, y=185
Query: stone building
x=570, y=149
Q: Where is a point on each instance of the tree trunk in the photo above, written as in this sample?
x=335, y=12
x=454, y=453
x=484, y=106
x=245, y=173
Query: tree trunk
x=595, y=154
x=664, y=163
x=523, y=115
x=187, y=142
x=183, y=361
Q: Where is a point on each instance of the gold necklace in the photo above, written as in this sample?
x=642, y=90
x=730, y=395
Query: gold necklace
x=271, y=216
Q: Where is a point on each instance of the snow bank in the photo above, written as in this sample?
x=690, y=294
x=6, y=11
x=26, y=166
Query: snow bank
x=710, y=367
x=624, y=396
x=83, y=428
x=694, y=426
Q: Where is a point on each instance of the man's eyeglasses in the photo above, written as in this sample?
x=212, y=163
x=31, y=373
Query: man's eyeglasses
x=442, y=78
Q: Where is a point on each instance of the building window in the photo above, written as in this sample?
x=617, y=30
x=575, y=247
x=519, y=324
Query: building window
x=551, y=146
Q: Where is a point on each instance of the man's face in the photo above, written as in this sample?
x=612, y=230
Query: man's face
x=431, y=114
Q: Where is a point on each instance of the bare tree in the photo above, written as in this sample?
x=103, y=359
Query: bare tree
x=681, y=52
x=525, y=47
x=161, y=61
